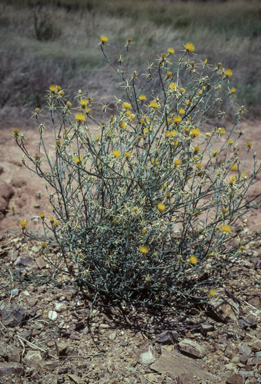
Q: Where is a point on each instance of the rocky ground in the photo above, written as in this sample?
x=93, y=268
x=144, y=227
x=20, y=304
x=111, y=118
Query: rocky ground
x=50, y=333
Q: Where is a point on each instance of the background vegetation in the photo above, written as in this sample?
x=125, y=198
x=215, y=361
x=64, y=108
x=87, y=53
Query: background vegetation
x=56, y=41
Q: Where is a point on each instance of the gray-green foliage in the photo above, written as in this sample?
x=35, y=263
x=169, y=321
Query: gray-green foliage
x=143, y=208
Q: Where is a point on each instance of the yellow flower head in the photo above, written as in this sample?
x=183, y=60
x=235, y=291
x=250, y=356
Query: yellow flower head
x=197, y=148
x=124, y=125
x=233, y=167
x=126, y=105
x=135, y=209
x=68, y=104
x=171, y=51
x=51, y=218
x=249, y=144
x=222, y=131
x=104, y=39
x=168, y=194
x=154, y=104
x=200, y=93
x=233, y=90
x=41, y=215
x=144, y=231
x=244, y=175
x=83, y=102
x=182, y=91
x=176, y=162
x=16, y=131
x=37, y=110
x=190, y=47
x=193, y=259
x=194, y=132
x=142, y=97
x=116, y=153
x=230, y=141
x=173, y=133
x=161, y=207
x=43, y=244
x=167, y=133
x=175, y=143
x=53, y=88
x=228, y=72
x=215, y=153
x=127, y=155
x=226, y=228
x=144, y=249
x=77, y=159
x=177, y=119
x=198, y=165
x=182, y=111
x=212, y=292
x=169, y=74
x=23, y=223
x=172, y=86
x=232, y=179
x=80, y=117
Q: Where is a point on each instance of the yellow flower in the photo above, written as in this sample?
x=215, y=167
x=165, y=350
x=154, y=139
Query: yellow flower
x=182, y=91
x=202, y=289
x=200, y=93
x=61, y=93
x=198, y=165
x=187, y=102
x=161, y=207
x=51, y=218
x=167, y=134
x=243, y=175
x=58, y=87
x=226, y=228
x=116, y=153
x=249, y=144
x=44, y=244
x=53, y=88
x=126, y=105
x=169, y=74
x=58, y=143
x=132, y=117
x=230, y=141
x=80, y=117
x=212, y=292
x=83, y=102
x=205, y=61
x=23, y=223
x=12, y=208
x=233, y=90
x=233, y=167
x=142, y=97
x=174, y=143
x=172, y=86
x=197, y=148
x=173, y=133
x=182, y=111
x=104, y=39
x=124, y=125
x=68, y=104
x=41, y=215
x=228, y=72
x=56, y=223
x=127, y=155
x=77, y=160
x=177, y=119
x=37, y=110
x=144, y=249
x=193, y=259
x=194, y=132
x=208, y=134
x=242, y=248
x=135, y=209
x=196, y=158
x=146, y=130
x=190, y=47
x=168, y=194
x=139, y=137
x=171, y=51
x=98, y=137
x=176, y=162
x=16, y=131
x=215, y=153
x=224, y=210
x=144, y=231
x=232, y=179
x=154, y=104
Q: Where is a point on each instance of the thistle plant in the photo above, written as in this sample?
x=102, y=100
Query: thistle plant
x=144, y=209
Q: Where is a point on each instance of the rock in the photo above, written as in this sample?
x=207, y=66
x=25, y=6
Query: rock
x=146, y=355
x=166, y=337
x=231, y=351
x=61, y=347
x=192, y=348
x=185, y=378
x=14, y=292
x=25, y=261
x=33, y=359
x=205, y=328
x=76, y=379
x=112, y=335
x=60, y=307
x=13, y=315
x=244, y=358
x=249, y=321
x=9, y=369
x=31, y=301
x=70, y=291
x=255, y=301
x=40, y=262
x=222, y=308
x=9, y=353
x=6, y=192
x=52, y=315
x=176, y=364
x=244, y=349
x=254, y=360
x=50, y=379
x=103, y=326
x=236, y=378
x=256, y=346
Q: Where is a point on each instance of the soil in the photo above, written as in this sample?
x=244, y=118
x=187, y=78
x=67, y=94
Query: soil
x=55, y=335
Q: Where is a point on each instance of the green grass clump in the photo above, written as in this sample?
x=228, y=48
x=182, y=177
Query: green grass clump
x=143, y=209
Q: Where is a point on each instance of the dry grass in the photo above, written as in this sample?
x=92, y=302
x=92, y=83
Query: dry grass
x=229, y=32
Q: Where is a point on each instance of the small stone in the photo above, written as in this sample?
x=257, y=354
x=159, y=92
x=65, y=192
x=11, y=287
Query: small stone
x=9, y=353
x=31, y=301
x=25, y=261
x=52, y=315
x=9, y=369
x=254, y=360
x=50, y=379
x=40, y=263
x=62, y=348
x=256, y=346
x=13, y=315
x=33, y=359
x=244, y=349
x=146, y=355
x=231, y=351
x=185, y=378
x=14, y=292
x=76, y=379
x=63, y=370
x=244, y=358
x=192, y=348
x=103, y=326
x=60, y=307
x=112, y=335
x=236, y=378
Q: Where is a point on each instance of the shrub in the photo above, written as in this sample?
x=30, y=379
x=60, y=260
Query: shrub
x=144, y=209
x=45, y=26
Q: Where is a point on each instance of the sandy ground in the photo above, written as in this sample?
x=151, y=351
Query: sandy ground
x=25, y=184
